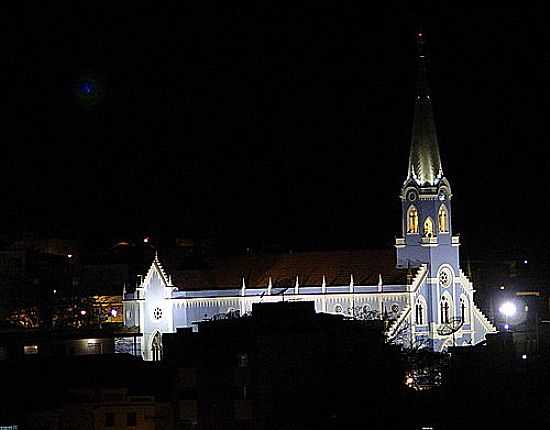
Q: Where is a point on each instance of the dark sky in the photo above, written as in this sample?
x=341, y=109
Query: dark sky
x=264, y=126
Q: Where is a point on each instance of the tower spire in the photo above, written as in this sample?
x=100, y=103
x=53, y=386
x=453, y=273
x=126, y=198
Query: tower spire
x=424, y=160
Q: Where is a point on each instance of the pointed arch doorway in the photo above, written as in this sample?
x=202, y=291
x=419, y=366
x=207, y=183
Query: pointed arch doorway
x=156, y=347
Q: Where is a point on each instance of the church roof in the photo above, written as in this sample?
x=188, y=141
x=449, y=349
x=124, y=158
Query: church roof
x=336, y=267
x=424, y=160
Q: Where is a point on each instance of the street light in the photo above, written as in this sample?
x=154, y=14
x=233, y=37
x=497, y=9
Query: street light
x=508, y=309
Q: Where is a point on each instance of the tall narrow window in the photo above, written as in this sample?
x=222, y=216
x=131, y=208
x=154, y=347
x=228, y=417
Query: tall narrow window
x=421, y=307
x=412, y=220
x=156, y=347
x=444, y=311
x=419, y=316
x=428, y=227
x=443, y=220
x=464, y=309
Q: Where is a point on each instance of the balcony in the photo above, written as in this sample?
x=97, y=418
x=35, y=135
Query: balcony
x=399, y=242
x=429, y=241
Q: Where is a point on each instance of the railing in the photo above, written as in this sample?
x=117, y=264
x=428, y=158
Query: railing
x=395, y=325
x=429, y=240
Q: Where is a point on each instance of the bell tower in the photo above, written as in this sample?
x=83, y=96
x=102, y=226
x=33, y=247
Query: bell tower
x=426, y=193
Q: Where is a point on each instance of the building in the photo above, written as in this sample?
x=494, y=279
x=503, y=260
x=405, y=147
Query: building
x=55, y=391
x=286, y=366
x=20, y=344
x=422, y=292
x=112, y=409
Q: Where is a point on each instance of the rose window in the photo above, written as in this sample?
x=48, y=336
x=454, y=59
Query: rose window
x=445, y=278
x=157, y=313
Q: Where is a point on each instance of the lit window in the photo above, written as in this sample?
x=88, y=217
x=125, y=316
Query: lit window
x=412, y=220
x=428, y=228
x=30, y=349
x=243, y=359
x=94, y=348
x=443, y=220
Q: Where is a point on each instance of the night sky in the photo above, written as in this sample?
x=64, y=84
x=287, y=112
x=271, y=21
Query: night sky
x=267, y=127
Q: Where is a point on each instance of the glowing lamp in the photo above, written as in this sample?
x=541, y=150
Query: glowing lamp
x=145, y=240
x=82, y=312
x=114, y=312
x=507, y=309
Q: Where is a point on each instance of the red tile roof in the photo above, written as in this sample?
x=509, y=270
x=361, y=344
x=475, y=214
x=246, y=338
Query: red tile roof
x=336, y=266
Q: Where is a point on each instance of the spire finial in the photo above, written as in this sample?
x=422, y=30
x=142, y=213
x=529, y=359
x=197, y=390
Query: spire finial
x=324, y=285
x=423, y=92
x=424, y=160
x=297, y=285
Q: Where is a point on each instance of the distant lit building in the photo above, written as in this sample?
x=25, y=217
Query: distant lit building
x=425, y=297
x=109, y=409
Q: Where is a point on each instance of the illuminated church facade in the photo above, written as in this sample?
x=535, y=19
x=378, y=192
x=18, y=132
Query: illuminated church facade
x=419, y=288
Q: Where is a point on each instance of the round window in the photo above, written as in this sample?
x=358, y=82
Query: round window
x=338, y=309
x=157, y=313
x=445, y=277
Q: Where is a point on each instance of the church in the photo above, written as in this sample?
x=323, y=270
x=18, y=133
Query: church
x=418, y=288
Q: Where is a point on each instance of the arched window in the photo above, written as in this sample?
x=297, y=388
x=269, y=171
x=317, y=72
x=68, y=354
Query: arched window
x=156, y=347
x=445, y=310
x=428, y=228
x=420, y=316
x=464, y=309
x=412, y=220
x=443, y=218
